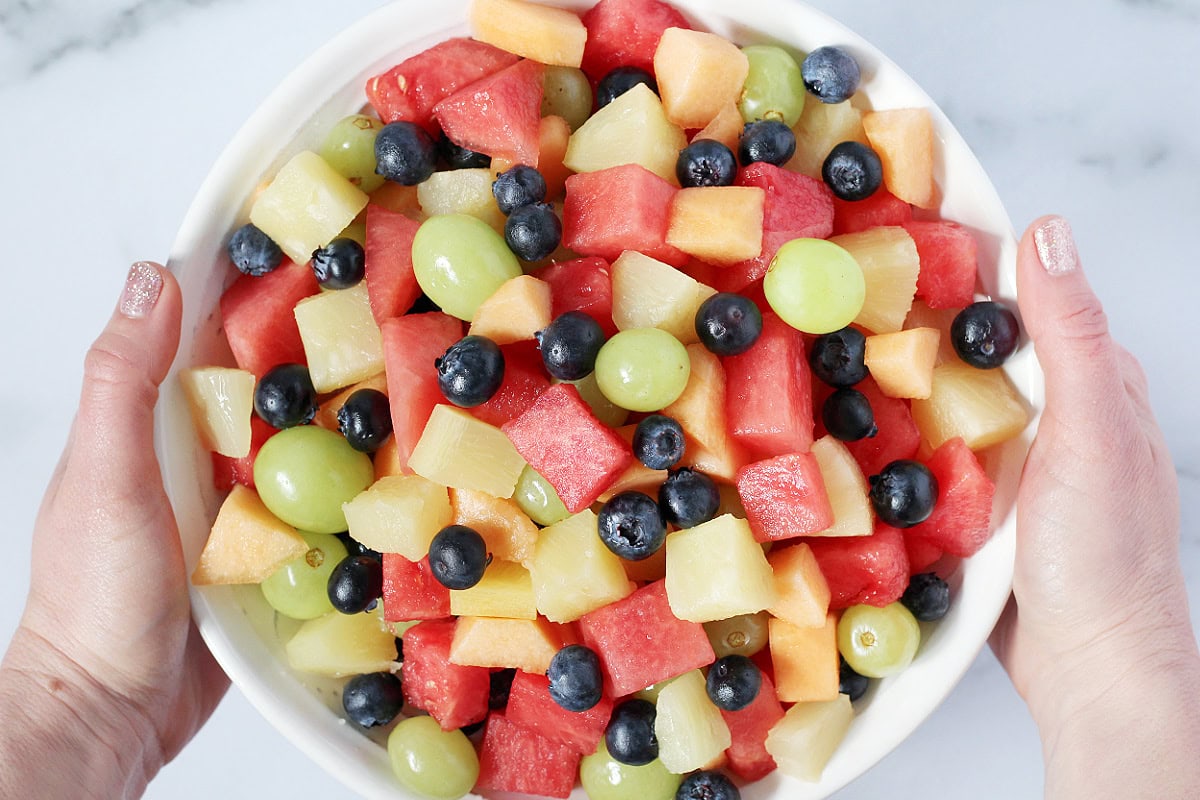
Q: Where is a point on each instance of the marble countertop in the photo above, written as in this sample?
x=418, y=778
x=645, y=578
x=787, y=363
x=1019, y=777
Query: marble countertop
x=115, y=109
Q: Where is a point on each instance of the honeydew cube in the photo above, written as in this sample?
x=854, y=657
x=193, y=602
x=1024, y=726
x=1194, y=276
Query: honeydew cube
x=573, y=572
x=903, y=138
x=698, y=74
x=306, y=206
x=849, y=494
x=221, y=400
x=902, y=362
x=515, y=312
x=461, y=191
x=399, y=514
x=339, y=644
x=505, y=590
x=720, y=225
x=461, y=452
x=804, y=740
x=633, y=129
x=800, y=587
x=650, y=294
x=690, y=730
x=717, y=570
x=527, y=645
x=889, y=261
x=822, y=127
x=342, y=342
x=542, y=33
x=981, y=406
x=805, y=660
x=247, y=542
x=506, y=530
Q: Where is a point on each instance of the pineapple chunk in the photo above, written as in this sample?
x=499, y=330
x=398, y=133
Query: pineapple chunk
x=717, y=570
x=805, y=660
x=327, y=413
x=822, y=127
x=306, y=206
x=549, y=35
x=698, y=75
x=506, y=590
x=506, y=530
x=633, y=129
x=343, y=644
x=399, y=514
x=461, y=452
x=461, y=191
x=515, y=312
x=804, y=740
x=726, y=127
x=903, y=138
x=573, y=572
x=800, y=586
x=247, y=543
x=221, y=400
x=979, y=405
x=849, y=495
x=523, y=644
x=650, y=294
x=690, y=729
x=720, y=225
x=902, y=362
x=701, y=412
x=342, y=342
x=889, y=261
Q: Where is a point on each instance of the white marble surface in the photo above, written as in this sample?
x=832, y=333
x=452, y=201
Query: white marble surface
x=114, y=110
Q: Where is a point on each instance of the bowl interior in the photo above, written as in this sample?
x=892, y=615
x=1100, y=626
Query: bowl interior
x=244, y=633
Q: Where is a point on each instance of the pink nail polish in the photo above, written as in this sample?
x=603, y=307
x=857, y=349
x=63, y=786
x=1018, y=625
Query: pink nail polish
x=143, y=285
x=1056, y=246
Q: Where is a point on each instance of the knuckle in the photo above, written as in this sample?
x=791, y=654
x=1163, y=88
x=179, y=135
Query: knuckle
x=1087, y=327
x=109, y=370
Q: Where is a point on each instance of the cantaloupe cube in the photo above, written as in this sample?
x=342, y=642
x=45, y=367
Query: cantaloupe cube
x=554, y=136
x=805, y=660
x=461, y=452
x=399, y=514
x=633, y=129
x=803, y=594
x=638, y=477
x=903, y=138
x=387, y=459
x=342, y=342
x=804, y=740
x=505, y=528
x=505, y=590
x=902, y=362
x=524, y=644
x=889, y=261
x=339, y=644
x=648, y=570
x=717, y=570
x=221, y=401
x=650, y=294
x=543, y=33
x=846, y=487
x=701, y=412
x=398, y=198
x=461, y=191
x=247, y=542
x=822, y=127
x=690, y=730
x=979, y=405
x=698, y=74
x=514, y=312
x=573, y=572
x=940, y=319
x=719, y=225
x=327, y=412
x=726, y=127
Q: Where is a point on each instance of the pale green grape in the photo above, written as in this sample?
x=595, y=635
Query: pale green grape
x=299, y=589
x=538, y=499
x=605, y=410
x=774, y=89
x=877, y=642
x=815, y=286
x=567, y=93
x=430, y=761
x=644, y=369
x=304, y=474
x=459, y=261
x=743, y=635
x=349, y=148
x=605, y=778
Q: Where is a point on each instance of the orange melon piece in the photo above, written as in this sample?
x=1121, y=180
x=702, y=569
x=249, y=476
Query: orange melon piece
x=800, y=586
x=398, y=199
x=940, y=319
x=506, y=530
x=247, y=542
x=903, y=138
x=387, y=459
x=701, y=412
x=326, y=416
x=505, y=590
x=726, y=127
x=720, y=225
x=805, y=660
x=524, y=644
x=514, y=312
x=698, y=75
x=649, y=569
x=554, y=134
x=902, y=362
x=549, y=35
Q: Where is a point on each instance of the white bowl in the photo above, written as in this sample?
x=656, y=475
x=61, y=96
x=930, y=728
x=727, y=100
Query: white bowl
x=242, y=631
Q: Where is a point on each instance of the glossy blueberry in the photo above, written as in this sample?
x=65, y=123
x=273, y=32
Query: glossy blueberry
x=631, y=525
x=706, y=162
x=357, y=548
x=927, y=597
x=852, y=171
x=499, y=687
x=470, y=371
x=576, y=683
x=253, y=252
x=459, y=157
x=630, y=736
x=458, y=557
x=355, y=584
x=620, y=81
x=733, y=682
x=850, y=683
x=707, y=785
x=658, y=442
x=904, y=493
x=728, y=324
x=405, y=153
x=423, y=305
x=838, y=358
x=284, y=396
x=520, y=186
x=365, y=419
x=985, y=334
x=688, y=498
x=473, y=728
x=766, y=140
x=372, y=700
x=830, y=74
x=340, y=264
x=569, y=345
x=848, y=416
x=533, y=232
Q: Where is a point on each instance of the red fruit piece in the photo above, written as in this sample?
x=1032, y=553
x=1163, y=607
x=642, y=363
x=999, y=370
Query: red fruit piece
x=531, y=706
x=748, y=728
x=898, y=436
x=784, y=497
x=584, y=284
x=518, y=759
x=500, y=115
x=391, y=284
x=524, y=381
x=863, y=569
x=454, y=695
x=949, y=264
x=881, y=208
x=768, y=395
x=411, y=592
x=229, y=471
x=256, y=314
x=921, y=553
x=625, y=33
x=620, y=208
x=961, y=520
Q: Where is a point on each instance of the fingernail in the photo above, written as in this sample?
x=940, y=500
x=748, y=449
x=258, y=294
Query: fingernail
x=143, y=285
x=1056, y=246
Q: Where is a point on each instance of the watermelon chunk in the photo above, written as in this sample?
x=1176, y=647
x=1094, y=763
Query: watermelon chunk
x=625, y=33
x=864, y=569
x=519, y=759
x=230, y=471
x=499, y=115
x=881, y=208
x=620, y=208
x=258, y=320
x=784, y=497
x=584, y=284
x=921, y=553
x=949, y=264
x=748, y=728
x=391, y=284
x=524, y=381
x=411, y=592
x=410, y=90
x=531, y=706
x=768, y=398
x=454, y=695
x=961, y=520
x=897, y=437
x=640, y=642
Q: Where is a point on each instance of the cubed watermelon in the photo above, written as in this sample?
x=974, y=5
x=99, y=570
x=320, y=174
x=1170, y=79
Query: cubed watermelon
x=784, y=497
x=864, y=569
x=524, y=381
x=519, y=759
x=748, y=728
x=921, y=553
x=230, y=471
x=620, y=208
x=499, y=115
x=881, y=208
x=531, y=706
x=625, y=33
x=391, y=284
x=897, y=437
x=454, y=695
x=768, y=394
x=584, y=284
x=411, y=592
x=949, y=263
x=256, y=314
x=961, y=520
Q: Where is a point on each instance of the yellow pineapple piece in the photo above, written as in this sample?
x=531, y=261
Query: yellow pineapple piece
x=543, y=33
x=822, y=127
x=804, y=740
x=726, y=127
x=940, y=319
x=889, y=261
x=326, y=416
x=691, y=731
x=981, y=406
x=650, y=294
x=800, y=586
x=247, y=542
x=698, y=75
x=633, y=129
x=805, y=660
x=902, y=362
x=849, y=494
x=506, y=590
x=573, y=572
x=514, y=312
x=399, y=514
x=717, y=570
x=506, y=530
x=903, y=138
x=221, y=401
x=342, y=342
x=524, y=644
x=461, y=452
x=720, y=225
x=701, y=412
x=461, y=191
x=339, y=644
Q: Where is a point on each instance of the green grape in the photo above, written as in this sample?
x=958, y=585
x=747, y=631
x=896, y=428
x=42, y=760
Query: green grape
x=605, y=778
x=644, y=369
x=877, y=642
x=743, y=635
x=815, y=286
x=774, y=89
x=567, y=93
x=430, y=761
x=349, y=148
x=304, y=474
x=299, y=589
x=605, y=410
x=460, y=261
x=538, y=499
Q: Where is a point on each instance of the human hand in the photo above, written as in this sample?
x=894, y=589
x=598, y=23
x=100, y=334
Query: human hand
x=106, y=678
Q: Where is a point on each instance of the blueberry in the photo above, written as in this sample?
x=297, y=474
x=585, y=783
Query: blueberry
x=620, y=81
x=904, y=493
x=707, y=785
x=838, y=358
x=658, y=442
x=630, y=736
x=365, y=419
x=576, y=682
x=766, y=140
x=927, y=597
x=458, y=557
x=850, y=682
x=631, y=525
x=423, y=305
x=470, y=371
x=688, y=498
x=355, y=584
x=533, y=232
x=705, y=162
x=985, y=334
x=405, y=153
x=569, y=345
x=284, y=396
x=473, y=728
x=499, y=687
x=848, y=416
x=340, y=264
x=372, y=700
x=733, y=682
x=253, y=252
x=852, y=171
x=831, y=74
x=357, y=548
x=520, y=186
x=459, y=157
x=728, y=324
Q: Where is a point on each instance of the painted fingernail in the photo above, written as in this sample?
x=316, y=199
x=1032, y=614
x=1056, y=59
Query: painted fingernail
x=143, y=285
x=1056, y=246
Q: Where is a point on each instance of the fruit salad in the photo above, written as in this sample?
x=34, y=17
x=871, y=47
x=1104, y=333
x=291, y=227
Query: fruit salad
x=607, y=405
